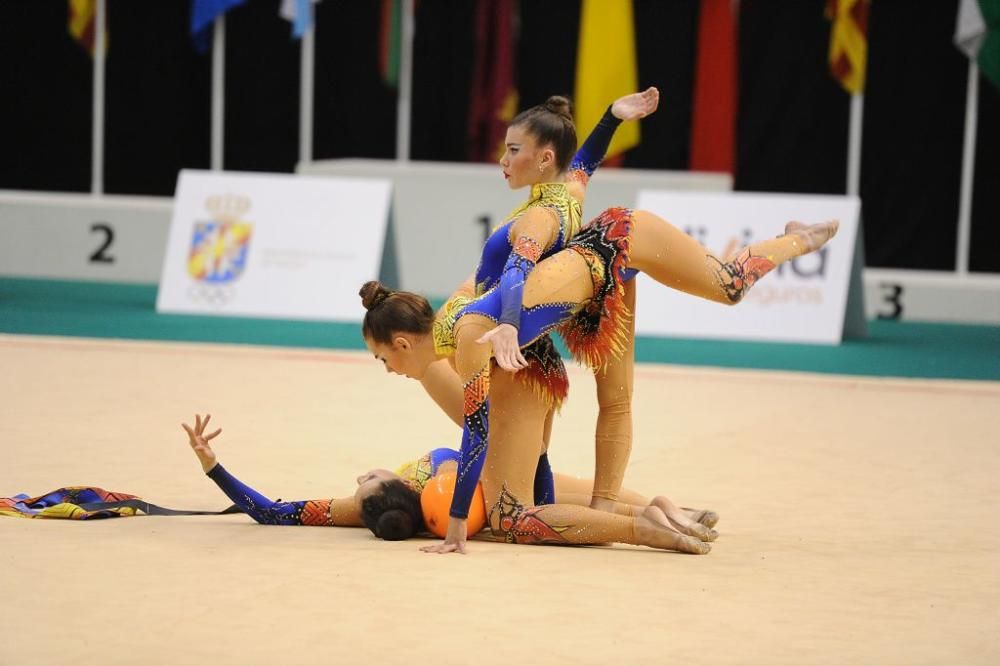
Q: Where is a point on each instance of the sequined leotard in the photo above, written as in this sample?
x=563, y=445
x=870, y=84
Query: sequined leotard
x=506, y=262
x=499, y=295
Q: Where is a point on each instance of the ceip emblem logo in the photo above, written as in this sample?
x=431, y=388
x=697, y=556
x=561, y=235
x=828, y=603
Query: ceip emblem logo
x=219, y=247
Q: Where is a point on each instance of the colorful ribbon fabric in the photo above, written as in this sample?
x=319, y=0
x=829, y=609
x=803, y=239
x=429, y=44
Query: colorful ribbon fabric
x=87, y=503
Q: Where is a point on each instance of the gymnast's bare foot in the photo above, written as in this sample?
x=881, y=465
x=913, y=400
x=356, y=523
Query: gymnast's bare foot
x=706, y=517
x=814, y=236
x=651, y=533
x=680, y=521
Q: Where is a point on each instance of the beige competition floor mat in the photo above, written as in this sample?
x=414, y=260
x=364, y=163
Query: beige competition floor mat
x=859, y=520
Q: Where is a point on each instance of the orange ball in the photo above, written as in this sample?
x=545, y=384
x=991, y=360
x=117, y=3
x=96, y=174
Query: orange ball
x=435, y=502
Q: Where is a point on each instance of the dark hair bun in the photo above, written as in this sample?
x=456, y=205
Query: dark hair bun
x=372, y=293
x=559, y=105
x=395, y=525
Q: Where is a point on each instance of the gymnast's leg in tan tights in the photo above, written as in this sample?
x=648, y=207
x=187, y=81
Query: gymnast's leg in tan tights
x=572, y=490
x=613, y=437
x=675, y=259
x=516, y=432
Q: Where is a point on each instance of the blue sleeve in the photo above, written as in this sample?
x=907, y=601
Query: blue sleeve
x=520, y=263
x=258, y=507
x=595, y=146
x=475, y=436
x=442, y=455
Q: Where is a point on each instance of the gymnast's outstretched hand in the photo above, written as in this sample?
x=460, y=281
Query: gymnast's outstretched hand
x=637, y=105
x=454, y=540
x=199, y=441
x=506, y=349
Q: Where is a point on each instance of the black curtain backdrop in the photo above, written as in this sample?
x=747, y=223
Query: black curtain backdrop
x=914, y=118
x=984, y=252
x=354, y=112
x=157, y=98
x=546, y=57
x=442, y=65
x=792, y=115
x=262, y=90
x=666, y=36
x=45, y=116
x=791, y=130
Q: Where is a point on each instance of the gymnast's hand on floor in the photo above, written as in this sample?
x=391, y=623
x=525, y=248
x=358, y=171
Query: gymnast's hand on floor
x=454, y=540
x=506, y=350
x=199, y=441
x=636, y=105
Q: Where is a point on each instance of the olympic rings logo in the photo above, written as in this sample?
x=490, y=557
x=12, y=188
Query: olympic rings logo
x=215, y=296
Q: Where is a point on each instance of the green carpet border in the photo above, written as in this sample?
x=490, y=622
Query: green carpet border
x=127, y=311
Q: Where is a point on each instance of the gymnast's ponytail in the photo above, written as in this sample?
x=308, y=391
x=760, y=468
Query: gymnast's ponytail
x=551, y=123
x=394, y=512
x=391, y=312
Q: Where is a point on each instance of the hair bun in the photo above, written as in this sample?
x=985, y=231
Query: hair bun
x=559, y=105
x=395, y=525
x=373, y=293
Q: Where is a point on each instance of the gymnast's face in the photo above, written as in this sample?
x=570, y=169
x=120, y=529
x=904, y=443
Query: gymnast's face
x=523, y=157
x=370, y=483
x=399, y=358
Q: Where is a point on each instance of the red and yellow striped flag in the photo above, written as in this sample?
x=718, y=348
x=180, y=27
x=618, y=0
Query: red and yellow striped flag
x=849, y=42
x=81, y=23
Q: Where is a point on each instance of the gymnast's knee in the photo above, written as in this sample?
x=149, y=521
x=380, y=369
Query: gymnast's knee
x=616, y=399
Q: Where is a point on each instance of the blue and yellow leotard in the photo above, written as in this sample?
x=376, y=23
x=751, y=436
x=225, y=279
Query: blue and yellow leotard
x=499, y=298
x=417, y=473
x=505, y=264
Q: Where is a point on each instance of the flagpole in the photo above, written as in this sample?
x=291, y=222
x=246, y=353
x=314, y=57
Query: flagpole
x=854, y=145
x=97, y=121
x=306, y=83
x=408, y=28
x=968, y=171
x=218, y=91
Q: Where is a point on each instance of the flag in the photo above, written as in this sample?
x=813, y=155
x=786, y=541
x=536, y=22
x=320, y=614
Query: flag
x=203, y=15
x=848, y=53
x=300, y=13
x=977, y=34
x=493, y=95
x=81, y=23
x=389, y=37
x=606, y=67
x=713, y=112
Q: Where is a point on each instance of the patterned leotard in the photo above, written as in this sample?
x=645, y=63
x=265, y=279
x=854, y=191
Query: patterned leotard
x=417, y=473
x=505, y=264
x=499, y=297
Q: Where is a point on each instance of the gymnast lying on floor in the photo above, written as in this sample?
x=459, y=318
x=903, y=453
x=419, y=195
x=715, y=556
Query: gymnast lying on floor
x=388, y=503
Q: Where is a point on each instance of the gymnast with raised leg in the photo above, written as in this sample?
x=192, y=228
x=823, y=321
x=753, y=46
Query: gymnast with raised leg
x=539, y=153
x=582, y=291
x=388, y=503
x=540, y=145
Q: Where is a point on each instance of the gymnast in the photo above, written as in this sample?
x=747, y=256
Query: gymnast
x=539, y=153
x=581, y=290
x=388, y=503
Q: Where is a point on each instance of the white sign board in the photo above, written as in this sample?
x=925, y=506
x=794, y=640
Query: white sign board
x=273, y=245
x=803, y=300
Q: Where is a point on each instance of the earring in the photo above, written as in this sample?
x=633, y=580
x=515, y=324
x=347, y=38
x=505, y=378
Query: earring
x=541, y=168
